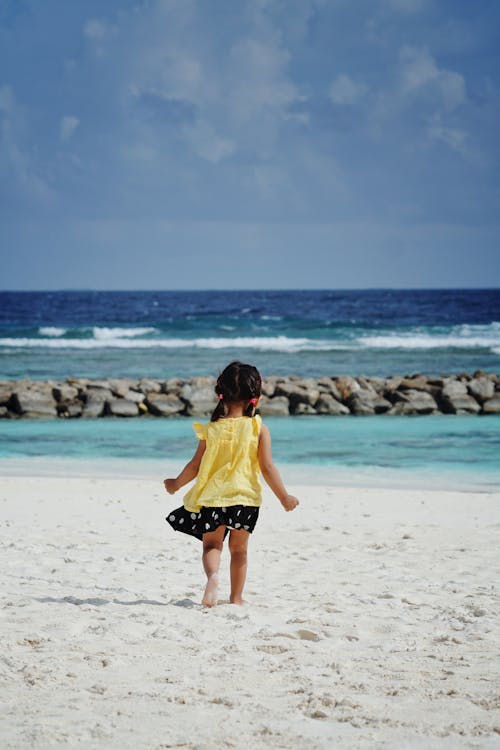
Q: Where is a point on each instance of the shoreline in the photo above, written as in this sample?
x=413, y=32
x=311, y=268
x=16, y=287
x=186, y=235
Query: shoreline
x=417, y=394
x=318, y=476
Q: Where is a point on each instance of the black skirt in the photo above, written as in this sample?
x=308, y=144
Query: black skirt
x=208, y=519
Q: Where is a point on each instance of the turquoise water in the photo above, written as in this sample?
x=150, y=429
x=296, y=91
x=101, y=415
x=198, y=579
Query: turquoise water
x=461, y=448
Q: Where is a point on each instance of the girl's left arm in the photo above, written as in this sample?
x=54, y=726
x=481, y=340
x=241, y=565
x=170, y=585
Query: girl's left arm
x=189, y=472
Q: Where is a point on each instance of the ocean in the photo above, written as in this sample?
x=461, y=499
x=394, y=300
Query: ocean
x=52, y=335
x=306, y=332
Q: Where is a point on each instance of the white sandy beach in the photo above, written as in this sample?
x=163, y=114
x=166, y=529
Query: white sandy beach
x=372, y=623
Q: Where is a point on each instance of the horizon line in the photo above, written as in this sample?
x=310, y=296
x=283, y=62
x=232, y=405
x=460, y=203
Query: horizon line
x=262, y=289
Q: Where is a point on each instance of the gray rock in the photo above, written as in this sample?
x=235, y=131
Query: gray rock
x=92, y=410
x=121, y=386
x=204, y=381
x=463, y=404
x=366, y=385
x=328, y=386
x=104, y=384
x=346, y=386
x=164, y=404
x=326, y=404
x=136, y=396
x=199, y=396
x=269, y=386
x=64, y=392
x=438, y=382
x=492, y=405
x=73, y=409
x=298, y=392
x=95, y=403
x=4, y=413
x=146, y=385
x=481, y=389
x=98, y=394
x=172, y=385
x=453, y=388
x=378, y=384
x=302, y=408
x=381, y=405
x=417, y=383
x=359, y=406
x=274, y=407
x=364, y=401
x=121, y=407
x=6, y=391
x=392, y=384
x=413, y=402
x=36, y=402
x=80, y=383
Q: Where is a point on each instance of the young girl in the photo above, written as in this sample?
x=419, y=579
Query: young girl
x=232, y=451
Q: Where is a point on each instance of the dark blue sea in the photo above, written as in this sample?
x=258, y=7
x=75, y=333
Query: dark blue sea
x=165, y=334
x=306, y=332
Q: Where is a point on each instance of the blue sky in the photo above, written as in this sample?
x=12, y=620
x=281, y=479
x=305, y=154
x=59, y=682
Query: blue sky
x=250, y=144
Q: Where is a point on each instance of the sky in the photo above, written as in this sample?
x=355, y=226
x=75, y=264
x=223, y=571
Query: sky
x=184, y=144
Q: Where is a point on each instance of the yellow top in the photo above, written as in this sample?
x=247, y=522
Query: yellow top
x=229, y=469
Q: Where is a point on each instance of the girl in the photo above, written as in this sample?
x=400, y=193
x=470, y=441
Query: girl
x=232, y=451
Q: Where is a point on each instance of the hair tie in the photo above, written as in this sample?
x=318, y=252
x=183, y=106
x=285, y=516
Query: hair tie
x=254, y=400
x=220, y=396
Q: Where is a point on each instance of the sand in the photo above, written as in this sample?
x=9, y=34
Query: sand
x=372, y=623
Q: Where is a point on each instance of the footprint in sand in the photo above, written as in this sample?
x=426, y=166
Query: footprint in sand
x=302, y=634
x=270, y=648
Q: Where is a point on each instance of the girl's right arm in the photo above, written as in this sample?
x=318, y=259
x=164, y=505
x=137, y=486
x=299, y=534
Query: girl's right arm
x=271, y=473
x=189, y=472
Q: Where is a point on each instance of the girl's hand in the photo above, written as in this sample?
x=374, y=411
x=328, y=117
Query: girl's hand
x=170, y=486
x=289, y=503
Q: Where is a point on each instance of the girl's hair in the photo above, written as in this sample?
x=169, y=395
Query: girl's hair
x=238, y=382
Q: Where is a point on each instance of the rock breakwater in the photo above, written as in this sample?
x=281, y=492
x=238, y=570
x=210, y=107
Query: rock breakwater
x=462, y=393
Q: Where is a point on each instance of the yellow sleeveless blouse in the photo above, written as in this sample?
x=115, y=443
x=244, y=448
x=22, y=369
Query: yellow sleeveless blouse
x=229, y=469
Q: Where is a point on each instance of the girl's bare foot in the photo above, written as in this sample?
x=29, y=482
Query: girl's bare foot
x=237, y=600
x=210, y=595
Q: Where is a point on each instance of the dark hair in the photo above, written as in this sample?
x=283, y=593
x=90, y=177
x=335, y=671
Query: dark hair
x=237, y=382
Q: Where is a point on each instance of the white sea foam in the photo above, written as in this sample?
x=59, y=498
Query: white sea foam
x=271, y=343
x=114, y=333
x=460, y=337
x=51, y=331
x=426, y=342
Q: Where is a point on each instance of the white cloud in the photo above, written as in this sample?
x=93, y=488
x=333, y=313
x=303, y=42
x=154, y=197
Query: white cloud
x=453, y=137
x=420, y=71
x=219, y=98
x=6, y=99
x=139, y=153
x=17, y=159
x=259, y=82
x=95, y=29
x=345, y=90
x=208, y=144
x=67, y=127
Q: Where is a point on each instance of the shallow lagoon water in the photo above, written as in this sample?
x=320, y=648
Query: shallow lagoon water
x=434, y=449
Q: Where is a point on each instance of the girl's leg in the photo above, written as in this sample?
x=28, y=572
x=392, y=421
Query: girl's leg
x=212, y=548
x=238, y=543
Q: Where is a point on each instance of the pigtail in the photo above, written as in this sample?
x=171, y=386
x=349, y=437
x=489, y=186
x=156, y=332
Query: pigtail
x=249, y=410
x=218, y=412
x=252, y=404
